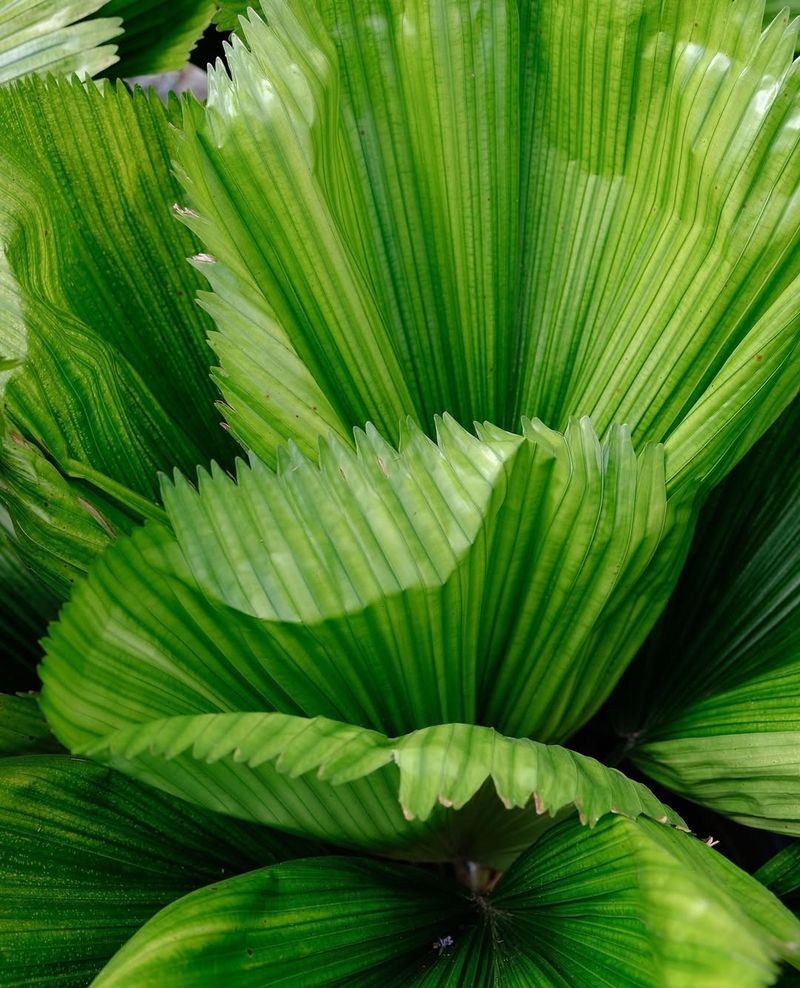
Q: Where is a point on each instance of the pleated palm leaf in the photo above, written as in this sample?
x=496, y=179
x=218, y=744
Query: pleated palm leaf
x=711, y=708
x=574, y=223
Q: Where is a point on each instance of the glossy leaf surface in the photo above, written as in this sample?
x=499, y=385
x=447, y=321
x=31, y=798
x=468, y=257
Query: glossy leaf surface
x=87, y=856
x=617, y=906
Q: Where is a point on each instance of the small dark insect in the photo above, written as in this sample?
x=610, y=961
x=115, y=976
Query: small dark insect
x=442, y=944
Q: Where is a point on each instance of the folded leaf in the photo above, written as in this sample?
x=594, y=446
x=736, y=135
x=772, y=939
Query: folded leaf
x=406, y=212
x=711, y=707
x=503, y=580
x=111, y=381
x=157, y=37
x=749, y=775
x=671, y=262
x=356, y=787
x=618, y=906
x=55, y=37
x=57, y=525
x=87, y=856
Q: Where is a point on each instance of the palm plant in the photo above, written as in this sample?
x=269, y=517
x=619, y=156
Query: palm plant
x=343, y=670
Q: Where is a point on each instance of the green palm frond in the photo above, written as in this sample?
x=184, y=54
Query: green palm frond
x=306, y=588
x=157, y=36
x=55, y=37
x=403, y=279
x=358, y=788
x=113, y=853
x=715, y=714
x=501, y=290
x=23, y=729
x=109, y=383
x=26, y=605
x=625, y=904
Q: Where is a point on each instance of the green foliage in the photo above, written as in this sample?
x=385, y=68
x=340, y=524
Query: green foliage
x=500, y=291
x=54, y=36
x=113, y=852
x=157, y=36
x=110, y=384
x=717, y=716
x=329, y=922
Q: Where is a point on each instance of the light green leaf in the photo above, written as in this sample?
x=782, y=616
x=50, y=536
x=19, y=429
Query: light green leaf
x=54, y=37
x=87, y=856
x=618, y=906
x=113, y=380
x=322, y=325
x=23, y=729
x=359, y=788
x=670, y=265
x=228, y=12
x=399, y=195
x=711, y=708
x=158, y=37
x=393, y=590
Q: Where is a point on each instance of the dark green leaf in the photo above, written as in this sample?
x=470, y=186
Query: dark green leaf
x=781, y=874
x=23, y=729
x=26, y=605
x=712, y=708
x=158, y=36
x=618, y=907
x=112, y=384
x=87, y=856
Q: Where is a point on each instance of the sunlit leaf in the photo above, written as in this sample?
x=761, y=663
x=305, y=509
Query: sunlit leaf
x=392, y=590
x=55, y=37
x=387, y=238
x=358, y=788
x=618, y=906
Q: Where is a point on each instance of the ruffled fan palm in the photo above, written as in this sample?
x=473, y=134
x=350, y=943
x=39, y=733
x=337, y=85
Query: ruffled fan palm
x=575, y=224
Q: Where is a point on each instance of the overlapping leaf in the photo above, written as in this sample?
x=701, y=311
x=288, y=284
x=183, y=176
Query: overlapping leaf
x=503, y=580
x=662, y=161
x=358, y=788
x=228, y=12
x=87, y=856
x=158, y=37
x=712, y=708
x=56, y=37
x=111, y=381
x=623, y=905
x=405, y=211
